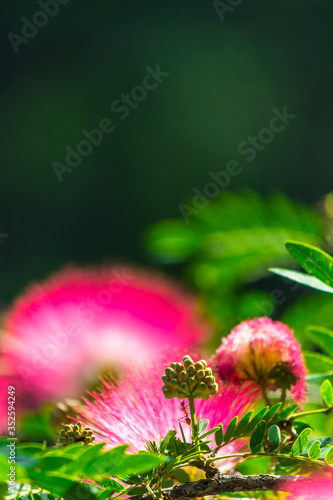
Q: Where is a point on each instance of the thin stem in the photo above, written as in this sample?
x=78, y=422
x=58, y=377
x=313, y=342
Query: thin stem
x=155, y=497
x=310, y=412
x=264, y=395
x=193, y=420
x=275, y=455
x=283, y=397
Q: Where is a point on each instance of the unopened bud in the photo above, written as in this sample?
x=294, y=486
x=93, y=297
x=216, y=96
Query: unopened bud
x=76, y=433
x=189, y=379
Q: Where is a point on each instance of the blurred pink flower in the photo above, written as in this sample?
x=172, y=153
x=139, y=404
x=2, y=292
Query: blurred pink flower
x=60, y=335
x=135, y=411
x=308, y=490
x=264, y=352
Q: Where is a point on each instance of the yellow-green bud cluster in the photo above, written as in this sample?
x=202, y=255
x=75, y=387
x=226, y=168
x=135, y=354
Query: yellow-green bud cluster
x=189, y=379
x=75, y=433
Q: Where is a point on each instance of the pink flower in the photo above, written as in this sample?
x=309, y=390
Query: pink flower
x=308, y=490
x=264, y=352
x=63, y=333
x=135, y=411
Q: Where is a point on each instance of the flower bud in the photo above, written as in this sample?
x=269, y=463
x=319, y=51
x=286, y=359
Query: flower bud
x=189, y=379
x=70, y=434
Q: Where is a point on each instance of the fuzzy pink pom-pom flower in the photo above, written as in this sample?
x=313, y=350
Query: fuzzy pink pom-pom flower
x=60, y=335
x=264, y=352
x=135, y=411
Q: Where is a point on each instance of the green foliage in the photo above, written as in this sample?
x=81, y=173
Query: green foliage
x=257, y=436
x=314, y=450
x=323, y=337
x=235, y=226
x=219, y=435
x=313, y=260
x=329, y=456
x=243, y=424
x=303, y=279
x=60, y=471
x=285, y=414
x=229, y=433
x=326, y=391
x=317, y=263
x=324, y=441
x=301, y=442
x=232, y=242
x=274, y=437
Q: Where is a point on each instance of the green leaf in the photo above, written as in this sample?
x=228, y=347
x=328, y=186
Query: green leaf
x=137, y=490
x=257, y=436
x=93, y=465
x=314, y=451
x=165, y=442
x=323, y=337
x=272, y=412
x=324, y=441
x=301, y=442
x=230, y=429
x=300, y=426
x=316, y=362
x=105, y=495
x=203, y=425
x=316, y=262
x=274, y=436
x=55, y=463
x=110, y=484
x=136, y=464
x=326, y=391
x=329, y=456
x=303, y=279
x=243, y=424
x=54, y=482
x=211, y=431
x=219, y=435
x=257, y=417
x=80, y=491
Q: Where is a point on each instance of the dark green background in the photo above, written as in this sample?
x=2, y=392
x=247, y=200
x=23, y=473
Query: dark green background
x=225, y=78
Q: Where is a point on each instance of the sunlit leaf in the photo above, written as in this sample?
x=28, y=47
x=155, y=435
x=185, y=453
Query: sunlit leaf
x=329, y=456
x=302, y=278
x=314, y=451
x=203, y=425
x=313, y=260
x=326, y=391
x=301, y=442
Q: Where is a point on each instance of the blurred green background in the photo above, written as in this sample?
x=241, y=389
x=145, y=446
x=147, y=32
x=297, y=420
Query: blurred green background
x=225, y=78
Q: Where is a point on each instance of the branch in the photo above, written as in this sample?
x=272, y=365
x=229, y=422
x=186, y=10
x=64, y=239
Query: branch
x=225, y=483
